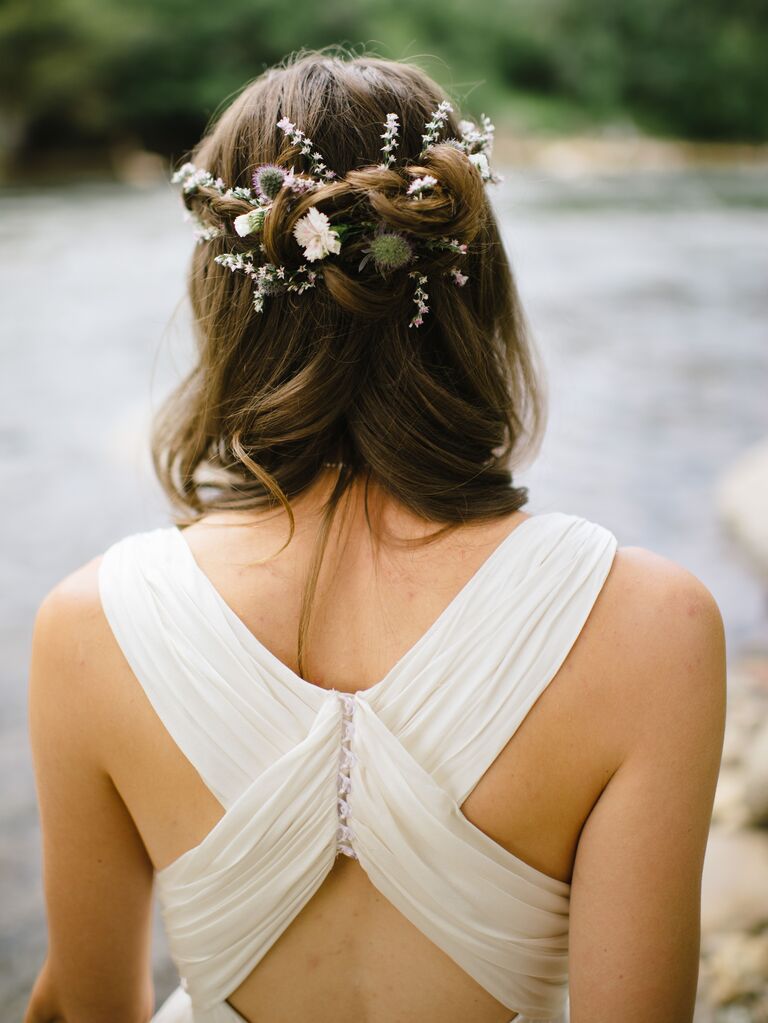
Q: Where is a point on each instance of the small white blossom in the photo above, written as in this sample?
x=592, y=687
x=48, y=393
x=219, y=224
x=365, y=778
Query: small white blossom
x=433, y=126
x=419, y=185
x=297, y=136
x=390, y=140
x=191, y=178
x=298, y=184
x=315, y=235
x=248, y=223
x=480, y=160
x=420, y=297
x=475, y=139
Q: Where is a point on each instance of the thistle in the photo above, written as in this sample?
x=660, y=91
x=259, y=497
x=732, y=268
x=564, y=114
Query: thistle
x=268, y=179
x=389, y=251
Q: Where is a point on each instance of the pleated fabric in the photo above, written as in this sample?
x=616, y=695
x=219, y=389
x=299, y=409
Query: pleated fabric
x=305, y=774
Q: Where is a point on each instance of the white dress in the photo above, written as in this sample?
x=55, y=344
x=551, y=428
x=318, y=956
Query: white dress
x=306, y=774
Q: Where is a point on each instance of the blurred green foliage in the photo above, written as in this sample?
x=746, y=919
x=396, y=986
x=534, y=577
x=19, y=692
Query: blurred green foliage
x=151, y=73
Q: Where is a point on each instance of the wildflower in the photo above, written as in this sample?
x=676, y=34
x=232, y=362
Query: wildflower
x=472, y=136
x=316, y=236
x=419, y=185
x=434, y=125
x=453, y=244
x=420, y=297
x=480, y=160
x=390, y=137
x=299, y=184
x=240, y=193
x=297, y=136
x=458, y=277
x=389, y=250
x=250, y=223
x=268, y=179
x=191, y=178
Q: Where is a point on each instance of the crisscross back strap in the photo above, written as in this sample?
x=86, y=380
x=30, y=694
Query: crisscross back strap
x=230, y=717
x=471, y=686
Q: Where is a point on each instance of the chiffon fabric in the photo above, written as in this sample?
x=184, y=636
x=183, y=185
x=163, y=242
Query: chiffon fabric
x=306, y=774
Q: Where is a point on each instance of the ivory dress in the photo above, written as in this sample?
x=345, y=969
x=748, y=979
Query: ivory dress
x=306, y=774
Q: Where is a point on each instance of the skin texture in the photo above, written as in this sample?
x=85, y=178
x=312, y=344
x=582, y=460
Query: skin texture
x=636, y=714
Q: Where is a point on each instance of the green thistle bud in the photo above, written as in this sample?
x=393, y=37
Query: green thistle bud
x=389, y=251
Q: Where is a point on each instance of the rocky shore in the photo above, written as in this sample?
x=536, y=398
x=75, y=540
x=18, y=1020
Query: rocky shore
x=733, y=985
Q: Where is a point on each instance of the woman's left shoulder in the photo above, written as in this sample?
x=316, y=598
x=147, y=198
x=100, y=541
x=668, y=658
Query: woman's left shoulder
x=70, y=612
x=72, y=645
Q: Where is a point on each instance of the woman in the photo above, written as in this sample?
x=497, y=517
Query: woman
x=479, y=786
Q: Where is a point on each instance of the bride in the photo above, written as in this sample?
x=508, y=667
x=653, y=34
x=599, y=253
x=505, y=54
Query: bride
x=384, y=745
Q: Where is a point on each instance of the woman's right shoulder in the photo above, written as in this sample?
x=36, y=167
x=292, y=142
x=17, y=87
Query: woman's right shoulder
x=635, y=899
x=667, y=628
x=663, y=644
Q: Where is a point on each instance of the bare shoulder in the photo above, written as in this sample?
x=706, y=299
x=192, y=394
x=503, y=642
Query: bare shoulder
x=663, y=642
x=70, y=614
x=76, y=594
x=72, y=645
x=635, y=898
x=662, y=582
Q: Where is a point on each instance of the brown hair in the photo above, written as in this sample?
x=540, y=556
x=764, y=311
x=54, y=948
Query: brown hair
x=434, y=415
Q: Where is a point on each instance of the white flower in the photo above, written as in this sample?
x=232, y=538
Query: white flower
x=480, y=160
x=418, y=185
x=316, y=236
x=249, y=222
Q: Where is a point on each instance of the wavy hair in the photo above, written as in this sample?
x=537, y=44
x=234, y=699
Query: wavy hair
x=434, y=416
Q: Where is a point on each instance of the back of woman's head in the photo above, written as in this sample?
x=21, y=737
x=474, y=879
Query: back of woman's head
x=435, y=414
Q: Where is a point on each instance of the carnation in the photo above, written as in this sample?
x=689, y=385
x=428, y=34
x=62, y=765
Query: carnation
x=315, y=234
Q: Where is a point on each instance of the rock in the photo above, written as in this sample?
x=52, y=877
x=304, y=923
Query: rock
x=755, y=768
x=743, y=716
x=742, y=500
x=730, y=808
x=734, y=889
x=736, y=968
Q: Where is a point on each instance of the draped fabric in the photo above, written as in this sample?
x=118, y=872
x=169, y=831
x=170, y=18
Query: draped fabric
x=305, y=774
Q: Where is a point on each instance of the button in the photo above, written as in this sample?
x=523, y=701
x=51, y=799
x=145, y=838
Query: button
x=347, y=760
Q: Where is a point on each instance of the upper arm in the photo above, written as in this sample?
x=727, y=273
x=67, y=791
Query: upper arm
x=97, y=875
x=636, y=885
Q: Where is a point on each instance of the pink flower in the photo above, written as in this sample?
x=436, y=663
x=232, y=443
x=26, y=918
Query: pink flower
x=316, y=236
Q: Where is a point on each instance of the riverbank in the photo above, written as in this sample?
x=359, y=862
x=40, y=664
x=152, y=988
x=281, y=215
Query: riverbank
x=613, y=150
x=734, y=918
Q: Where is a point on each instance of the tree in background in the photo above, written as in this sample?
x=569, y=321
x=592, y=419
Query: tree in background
x=151, y=73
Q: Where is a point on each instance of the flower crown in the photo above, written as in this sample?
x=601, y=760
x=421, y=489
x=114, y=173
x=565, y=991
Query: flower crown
x=388, y=249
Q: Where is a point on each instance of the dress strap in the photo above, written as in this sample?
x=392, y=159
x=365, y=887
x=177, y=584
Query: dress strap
x=471, y=687
x=229, y=716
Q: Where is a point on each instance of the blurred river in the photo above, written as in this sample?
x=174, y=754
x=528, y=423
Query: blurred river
x=648, y=298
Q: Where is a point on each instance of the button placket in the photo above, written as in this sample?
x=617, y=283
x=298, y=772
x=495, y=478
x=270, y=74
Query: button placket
x=347, y=759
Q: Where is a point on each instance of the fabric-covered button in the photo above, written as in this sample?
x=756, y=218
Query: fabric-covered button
x=347, y=759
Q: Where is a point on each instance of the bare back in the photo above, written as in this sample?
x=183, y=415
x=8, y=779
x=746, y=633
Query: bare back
x=358, y=958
